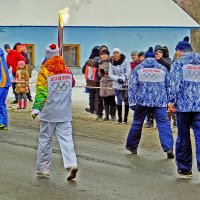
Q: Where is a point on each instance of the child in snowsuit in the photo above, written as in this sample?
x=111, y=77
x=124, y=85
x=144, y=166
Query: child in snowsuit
x=22, y=84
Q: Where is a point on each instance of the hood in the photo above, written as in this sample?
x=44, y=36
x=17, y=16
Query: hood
x=55, y=64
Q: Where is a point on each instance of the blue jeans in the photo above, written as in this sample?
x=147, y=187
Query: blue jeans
x=185, y=120
x=3, y=111
x=119, y=98
x=163, y=124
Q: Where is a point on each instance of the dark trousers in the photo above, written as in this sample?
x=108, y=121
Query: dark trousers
x=164, y=128
x=92, y=101
x=29, y=94
x=109, y=101
x=98, y=101
x=13, y=87
x=185, y=120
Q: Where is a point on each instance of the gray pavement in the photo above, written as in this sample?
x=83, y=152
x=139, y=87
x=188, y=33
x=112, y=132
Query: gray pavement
x=106, y=170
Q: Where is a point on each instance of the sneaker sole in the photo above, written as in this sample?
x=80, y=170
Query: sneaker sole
x=185, y=176
x=72, y=174
x=42, y=175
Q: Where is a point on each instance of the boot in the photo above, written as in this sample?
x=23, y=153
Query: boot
x=113, y=112
x=126, y=114
x=119, y=110
x=25, y=104
x=19, y=104
x=106, y=113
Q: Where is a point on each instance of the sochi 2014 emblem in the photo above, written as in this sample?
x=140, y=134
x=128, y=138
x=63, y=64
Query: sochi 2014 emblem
x=60, y=86
x=194, y=74
x=152, y=75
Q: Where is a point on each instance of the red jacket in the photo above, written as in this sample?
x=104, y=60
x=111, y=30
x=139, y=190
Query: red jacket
x=134, y=64
x=12, y=60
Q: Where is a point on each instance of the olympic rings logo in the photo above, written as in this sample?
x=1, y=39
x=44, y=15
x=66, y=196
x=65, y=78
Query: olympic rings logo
x=60, y=86
x=151, y=75
x=194, y=74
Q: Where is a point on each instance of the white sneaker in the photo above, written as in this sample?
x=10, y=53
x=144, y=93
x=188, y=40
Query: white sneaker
x=42, y=174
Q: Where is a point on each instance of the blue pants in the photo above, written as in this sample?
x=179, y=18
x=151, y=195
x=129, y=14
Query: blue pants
x=119, y=98
x=3, y=111
x=164, y=128
x=185, y=120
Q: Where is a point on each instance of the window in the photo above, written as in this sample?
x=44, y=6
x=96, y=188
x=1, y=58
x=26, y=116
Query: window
x=31, y=53
x=71, y=55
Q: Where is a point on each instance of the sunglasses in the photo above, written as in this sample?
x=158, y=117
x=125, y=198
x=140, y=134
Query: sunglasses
x=159, y=51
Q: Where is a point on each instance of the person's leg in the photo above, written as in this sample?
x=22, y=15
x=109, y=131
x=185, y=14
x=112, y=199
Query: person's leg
x=135, y=131
x=3, y=110
x=183, y=142
x=99, y=103
x=19, y=96
x=25, y=100
x=106, y=107
x=92, y=101
x=164, y=129
x=29, y=95
x=44, y=147
x=112, y=104
x=16, y=99
x=64, y=134
x=196, y=129
x=119, y=105
x=126, y=111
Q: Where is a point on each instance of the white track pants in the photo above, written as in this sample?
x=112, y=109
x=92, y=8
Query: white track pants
x=63, y=131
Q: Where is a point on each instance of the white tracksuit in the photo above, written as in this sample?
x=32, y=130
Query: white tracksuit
x=55, y=117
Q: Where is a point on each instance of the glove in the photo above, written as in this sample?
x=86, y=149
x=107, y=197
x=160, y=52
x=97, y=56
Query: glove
x=35, y=113
x=171, y=107
x=120, y=81
x=133, y=107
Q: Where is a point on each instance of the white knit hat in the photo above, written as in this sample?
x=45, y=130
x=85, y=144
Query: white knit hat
x=116, y=50
x=51, y=50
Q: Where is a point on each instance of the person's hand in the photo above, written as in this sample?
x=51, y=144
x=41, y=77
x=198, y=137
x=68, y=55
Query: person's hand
x=120, y=81
x=35, y=113
x=171, y=107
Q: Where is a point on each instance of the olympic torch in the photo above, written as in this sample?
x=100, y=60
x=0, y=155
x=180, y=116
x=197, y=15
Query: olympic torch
x=63, y=16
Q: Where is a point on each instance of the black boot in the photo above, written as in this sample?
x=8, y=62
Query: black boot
x=119, y=110
x=113, y=112
x=126, y=114
x=106, y=113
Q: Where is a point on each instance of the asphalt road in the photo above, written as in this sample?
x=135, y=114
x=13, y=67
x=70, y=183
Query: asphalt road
x=106, y=170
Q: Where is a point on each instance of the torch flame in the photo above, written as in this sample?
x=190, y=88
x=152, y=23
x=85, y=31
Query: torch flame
x=64, y=16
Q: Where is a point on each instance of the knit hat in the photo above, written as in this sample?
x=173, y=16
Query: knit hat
x=184, y=45
x=134, y=52
x=149, y=53
x=104, y=51
x=158, y=47
x=6, y=46
x=51, y=50
x=21, y=62
x=116, y=50
x=141, y=53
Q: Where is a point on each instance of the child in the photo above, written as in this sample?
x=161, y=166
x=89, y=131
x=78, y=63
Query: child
x=106, y=89
x=53, y=105
x=22, y=82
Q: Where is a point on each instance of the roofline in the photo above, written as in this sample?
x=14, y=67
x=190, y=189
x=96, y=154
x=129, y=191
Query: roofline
x=85, y=26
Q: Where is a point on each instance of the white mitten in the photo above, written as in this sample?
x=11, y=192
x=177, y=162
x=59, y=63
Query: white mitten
x=35, y=113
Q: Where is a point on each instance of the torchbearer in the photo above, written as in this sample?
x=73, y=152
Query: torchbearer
x=53, y=105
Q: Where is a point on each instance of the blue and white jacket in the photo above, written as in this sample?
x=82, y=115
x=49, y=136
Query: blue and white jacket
x=185, y=83
x=149, y=84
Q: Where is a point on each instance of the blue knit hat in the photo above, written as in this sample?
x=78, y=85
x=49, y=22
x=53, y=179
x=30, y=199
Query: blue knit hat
x=149, y=53
x=184, y=45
